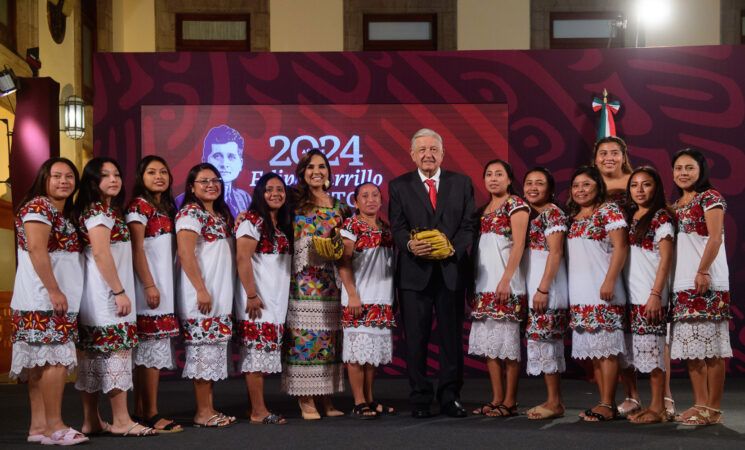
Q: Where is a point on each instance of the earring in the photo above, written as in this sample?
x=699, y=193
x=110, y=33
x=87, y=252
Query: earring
x=326, y=184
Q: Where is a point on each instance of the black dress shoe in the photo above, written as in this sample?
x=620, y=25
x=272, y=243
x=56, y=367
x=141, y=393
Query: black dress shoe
x=421, y=413
x=454, y=409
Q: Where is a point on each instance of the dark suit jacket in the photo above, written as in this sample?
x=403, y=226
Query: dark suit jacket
x=410, y=207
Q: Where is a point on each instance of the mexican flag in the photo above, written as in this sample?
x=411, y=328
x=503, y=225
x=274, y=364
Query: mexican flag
x=607, y=126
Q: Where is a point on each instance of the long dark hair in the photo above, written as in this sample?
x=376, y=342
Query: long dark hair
x=303, y=199
x=594, y=174
x=658, y=202
x=166, y=205
x=90, y=192
x=510, y=174
x=357, y=192
x=703, y=183
x=549, y=180
x=220, y=207
x=626, y=165
x=39, y=186
x=260, y=207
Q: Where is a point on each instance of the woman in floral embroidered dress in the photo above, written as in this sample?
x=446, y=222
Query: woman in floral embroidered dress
x=313, y=365
x=647, y=271
x=205, y=298
x=108, y=323
x=366, y=272
x=548, y=298
x=263, y=256
x=701, y=302
x=499, y=294
x=597, y=246
x=46, y=298
x=150, y=219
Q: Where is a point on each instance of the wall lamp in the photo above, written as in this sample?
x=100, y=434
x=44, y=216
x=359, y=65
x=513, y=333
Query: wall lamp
x=8, y=82
x=74, y=126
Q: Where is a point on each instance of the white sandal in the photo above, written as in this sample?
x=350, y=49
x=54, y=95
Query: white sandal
x=623, y=413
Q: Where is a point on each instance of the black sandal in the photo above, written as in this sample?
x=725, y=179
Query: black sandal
x=600, y=417
x=503, y=411
x=362, y=411
x=384, y=410
x=480, y=411
x=169, y=428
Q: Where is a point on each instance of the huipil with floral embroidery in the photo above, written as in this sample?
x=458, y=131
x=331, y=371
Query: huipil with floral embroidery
x=690, y=244
x=159, y=246
x=493, y=253
x=551, y=324
x=215, y=253
x=372, y=269
x=640, y=271
x=101, y=329
x=589, y=251
x=271, y=268
x=32, y=319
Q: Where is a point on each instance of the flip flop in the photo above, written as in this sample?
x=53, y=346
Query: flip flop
x=144, y=431
x=542, y=413
x=271, y=419
x=65, y=437
x=219, y=420
x=168, y=428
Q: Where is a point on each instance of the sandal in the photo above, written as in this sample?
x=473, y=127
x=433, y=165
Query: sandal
x=271, y=419
x=704, y=417
x=219, y=420
x=362, y=412
x=542, y=413
x=590, y=414
x=35, y=438
x=670, y=411
x=65, y=437
x=503, y=411
x=482, y=411
x=170, y=427
x=625, y=412
x=144, y=431
x=384, y=410
x=656, y=417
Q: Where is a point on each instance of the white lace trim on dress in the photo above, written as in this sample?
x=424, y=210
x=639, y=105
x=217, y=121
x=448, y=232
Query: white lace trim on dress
x=313, y=315
x=312, y=380
x=367, y=348
x=698, y=339
x=555, y=229
x=104, y=372
x=155, y=353
x=27, y=356
x=495, y=339
x=597, y=344
x=259, y=360
x=206, y=361
x=545, y=357
x=648, y=352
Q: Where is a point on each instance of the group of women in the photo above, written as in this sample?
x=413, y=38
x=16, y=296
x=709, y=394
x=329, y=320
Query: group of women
x=100, y=273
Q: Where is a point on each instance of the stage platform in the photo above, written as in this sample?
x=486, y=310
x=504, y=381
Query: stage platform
x=402, y=431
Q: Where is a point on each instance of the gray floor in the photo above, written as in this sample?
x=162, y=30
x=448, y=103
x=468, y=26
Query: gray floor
x=176, y=400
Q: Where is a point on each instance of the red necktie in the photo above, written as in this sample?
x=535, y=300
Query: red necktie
x=432, y=193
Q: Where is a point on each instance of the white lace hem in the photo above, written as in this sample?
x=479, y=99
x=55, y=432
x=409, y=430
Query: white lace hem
x=155, y=353
x=626, y=359
x=253, y=360
x=367, y=348
x=616, y=225
x=301, y=380
x=545, y=357
x=597, y=344
x=648, y=352
x=27, y=356
x=313, y=315
x=694, y=339
x=206, y=361
x=555, y=229
x=495, y=339
x=105, y=372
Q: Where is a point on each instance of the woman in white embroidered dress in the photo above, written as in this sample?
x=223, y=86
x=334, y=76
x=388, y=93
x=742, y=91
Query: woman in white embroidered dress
x=263, y=256
x=46, y=298
x=548, y=298
x=204, y=230
x=597, y=246
x=108, y=323
x=701, y=301
x=499, y=295
x=366, y=273
x=647, y=272
x=150, y=219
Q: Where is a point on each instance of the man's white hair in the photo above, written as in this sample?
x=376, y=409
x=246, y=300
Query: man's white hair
x=425, y=132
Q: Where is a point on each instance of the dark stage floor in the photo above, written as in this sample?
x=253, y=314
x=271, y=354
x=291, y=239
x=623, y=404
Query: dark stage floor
x=176, y=400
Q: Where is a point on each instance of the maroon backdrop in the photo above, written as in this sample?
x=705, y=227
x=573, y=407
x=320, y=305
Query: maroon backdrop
x=671, y=98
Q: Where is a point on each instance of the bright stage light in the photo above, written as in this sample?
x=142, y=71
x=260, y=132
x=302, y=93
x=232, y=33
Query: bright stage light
x=653, y=12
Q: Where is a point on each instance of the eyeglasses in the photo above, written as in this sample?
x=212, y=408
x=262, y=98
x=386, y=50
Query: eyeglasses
x=208, y=181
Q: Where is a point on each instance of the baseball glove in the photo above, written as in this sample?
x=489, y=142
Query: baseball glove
x=441, y=246
x=330, y=248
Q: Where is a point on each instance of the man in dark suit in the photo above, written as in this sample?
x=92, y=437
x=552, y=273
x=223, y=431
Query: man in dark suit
x=432, y=198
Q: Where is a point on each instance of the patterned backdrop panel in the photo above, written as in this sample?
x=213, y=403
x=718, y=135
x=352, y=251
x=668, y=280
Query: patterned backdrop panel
x=670, y=98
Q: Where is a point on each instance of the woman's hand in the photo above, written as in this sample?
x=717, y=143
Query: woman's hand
x=123, y=305
x=653, y=309
x=59, y=302
x=540, y=302
x=254, y=307
x=355, y=306
x=204, y=301
x=152, y=295
x=702, y=282
x=606, y=290
x=503, y=291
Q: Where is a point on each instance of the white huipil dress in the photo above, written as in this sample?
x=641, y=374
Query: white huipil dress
x=495, y=327
x=106, y=338
x=545, y=332
x=155, y=326
x=261, y=338
x=700, y=326
x=597, y=324
x=206, y=336
x=367, y=339
x=647, y=350
x=38, y=335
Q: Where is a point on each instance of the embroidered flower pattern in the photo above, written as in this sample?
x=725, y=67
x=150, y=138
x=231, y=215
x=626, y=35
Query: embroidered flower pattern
x=373, y=315
x=551, y=217
x=261, y=336
x=712, y=305
x=661, y=217
x=63, y=236
x=157, y=222
x=487, y=306
x=213, y=228
x=157, y=327
x=281, y=244
x=547, y=326
x=318, y=221
x=43, y=327
x=108, y=338
x=639, y=324
x=498, y=222
x=691, y=215
x=209, y=330
x=119, y=232
x=597, y=317
x=367, y=236
x=593, y=227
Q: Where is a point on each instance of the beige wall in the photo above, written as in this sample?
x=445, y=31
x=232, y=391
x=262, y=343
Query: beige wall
x=299, y=26
x=133, y=25
x=4, y=151
x=691, y=22
x=493, y=25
